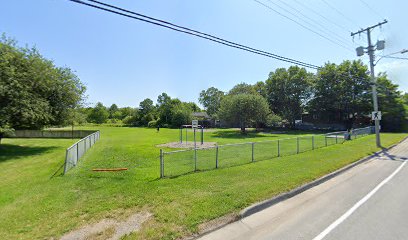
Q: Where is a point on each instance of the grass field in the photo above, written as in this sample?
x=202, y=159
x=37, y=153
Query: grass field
x=35, y=206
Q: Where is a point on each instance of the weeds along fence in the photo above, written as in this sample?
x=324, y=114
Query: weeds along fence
x=78, y=149
x=175, y=163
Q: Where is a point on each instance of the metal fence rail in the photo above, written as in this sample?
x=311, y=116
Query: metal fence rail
x=78, y=149
x=175, y=163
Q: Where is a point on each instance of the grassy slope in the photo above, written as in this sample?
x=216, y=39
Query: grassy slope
x=35, y=206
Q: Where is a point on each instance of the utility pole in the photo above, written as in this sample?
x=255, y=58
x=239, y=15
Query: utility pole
x=370, y=51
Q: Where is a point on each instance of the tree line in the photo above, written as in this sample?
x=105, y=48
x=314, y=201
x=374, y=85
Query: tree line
x=34, y=93
x=339, y=94
x=168, y=112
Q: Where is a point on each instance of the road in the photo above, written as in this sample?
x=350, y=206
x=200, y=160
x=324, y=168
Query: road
x=369, y=201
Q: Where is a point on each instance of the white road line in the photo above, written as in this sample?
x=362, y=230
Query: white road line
x=357, y=205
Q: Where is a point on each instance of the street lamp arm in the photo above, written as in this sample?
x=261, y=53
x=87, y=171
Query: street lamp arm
x=389, y=56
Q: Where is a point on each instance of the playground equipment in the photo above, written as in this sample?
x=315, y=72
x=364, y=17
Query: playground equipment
x=194, y=127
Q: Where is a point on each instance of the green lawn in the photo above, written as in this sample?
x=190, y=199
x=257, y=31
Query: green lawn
x=35, y=206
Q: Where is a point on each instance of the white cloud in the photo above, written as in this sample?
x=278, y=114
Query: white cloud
x=397, y=71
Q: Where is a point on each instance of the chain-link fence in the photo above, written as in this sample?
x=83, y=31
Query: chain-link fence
x=175, y=163
x=78, y=149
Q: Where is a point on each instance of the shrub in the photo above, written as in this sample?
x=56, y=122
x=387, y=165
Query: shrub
x=152, y=124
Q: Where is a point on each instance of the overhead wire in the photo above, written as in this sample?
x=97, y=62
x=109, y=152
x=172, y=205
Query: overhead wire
x=323, y=17
x=378, y=14
x=314, y=23
x=300, y=24
x=158, y=22
x=340, y=13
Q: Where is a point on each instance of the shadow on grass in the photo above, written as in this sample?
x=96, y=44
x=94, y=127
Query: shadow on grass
x=13, y=152
x=236, y=134
x=259, y=159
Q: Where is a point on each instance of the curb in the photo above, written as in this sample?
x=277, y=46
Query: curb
x=257, y=207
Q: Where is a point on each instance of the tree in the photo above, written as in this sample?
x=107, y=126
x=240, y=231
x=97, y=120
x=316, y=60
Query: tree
x=181, y=114
x=146, y=108
x=244, y=110
x=341, y=93
x=34, y=92
x=113, y=109
x=193, y=106
x=288, y=92
x=242, y=88
x=99, y=114
x=391, y=105
x=164, y=108
x=211, y=100
x=260, y=88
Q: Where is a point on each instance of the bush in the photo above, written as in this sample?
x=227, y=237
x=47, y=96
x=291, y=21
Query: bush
x=274, y=120
x=130, y=120
x=152, y=124
x=6, y=131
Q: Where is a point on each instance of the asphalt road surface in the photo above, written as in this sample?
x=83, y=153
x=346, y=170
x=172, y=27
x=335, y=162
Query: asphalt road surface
x=369, y=201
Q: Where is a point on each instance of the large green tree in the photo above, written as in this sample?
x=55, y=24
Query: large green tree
x=391, y=105
x=211, y=100
x=242, y=88
x=99, y=114
x=113, y=111
x=244, y=110
x=342, y=93
x=288, y=92
x=34, y=92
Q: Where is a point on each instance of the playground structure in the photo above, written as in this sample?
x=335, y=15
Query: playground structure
x=194, y=127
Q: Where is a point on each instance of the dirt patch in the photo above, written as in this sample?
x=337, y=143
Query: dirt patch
x=187, y=145
x=109, y=228
x=213, y=225
x=216, y=223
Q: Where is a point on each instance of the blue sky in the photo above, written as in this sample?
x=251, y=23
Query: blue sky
x=124, y=61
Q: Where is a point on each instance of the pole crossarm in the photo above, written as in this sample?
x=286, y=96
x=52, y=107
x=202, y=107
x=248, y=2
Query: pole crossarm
x=369, y=28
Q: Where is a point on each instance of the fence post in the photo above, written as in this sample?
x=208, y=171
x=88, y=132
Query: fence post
x=161, y=164
x=202, y=135
x=195, y=151
x=336, y=138
x=186, y=136
x=216, y=157
x=312, y=142
x=253, y=144
x=297, y=145
x=325, y=140
x=65, y=164
x=77, y=147
x=278, y=149
x=181, y=135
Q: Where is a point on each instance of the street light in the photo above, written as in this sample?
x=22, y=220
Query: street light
x=389, y=55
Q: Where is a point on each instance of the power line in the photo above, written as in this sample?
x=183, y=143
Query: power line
x=300, y=24
x=314, y=23
x=171, y=26
x=339, y=12
x=371, y=8
x=402, y=58
x=323, y=17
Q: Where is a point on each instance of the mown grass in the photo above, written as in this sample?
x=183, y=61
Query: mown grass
x=35, y=206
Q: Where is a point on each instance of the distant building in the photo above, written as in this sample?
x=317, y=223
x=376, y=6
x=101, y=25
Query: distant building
x=204, y=119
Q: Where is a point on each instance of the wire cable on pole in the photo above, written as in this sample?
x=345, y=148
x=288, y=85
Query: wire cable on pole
x=339, y=12
x=158, y=22
x=323, y=17
x=300, y=24
x=378, y=14
x=311, y=22
x=314, y=21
